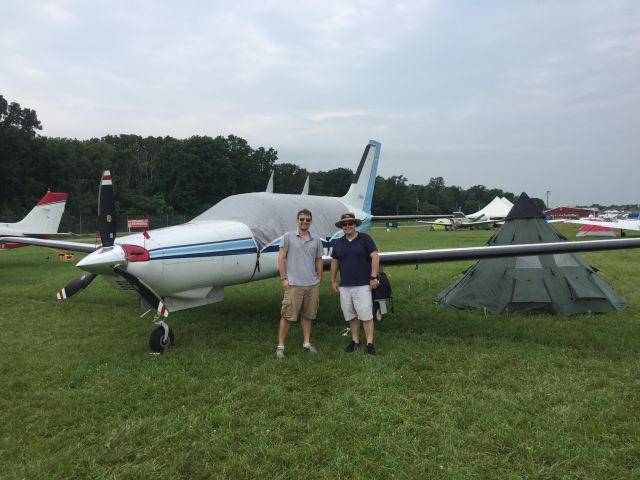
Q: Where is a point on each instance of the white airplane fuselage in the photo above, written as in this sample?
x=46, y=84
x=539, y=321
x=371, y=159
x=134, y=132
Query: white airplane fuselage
x=189, y=265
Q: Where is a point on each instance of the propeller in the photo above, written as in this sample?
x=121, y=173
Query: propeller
x=146, y=292
x=107, y=224
x=110, y=255
x=107, y=227
x=76, y=285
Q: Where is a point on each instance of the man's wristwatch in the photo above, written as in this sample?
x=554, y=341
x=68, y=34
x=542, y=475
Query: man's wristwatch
x=374, y=278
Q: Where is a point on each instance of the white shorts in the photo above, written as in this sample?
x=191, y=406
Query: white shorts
x=356, y=302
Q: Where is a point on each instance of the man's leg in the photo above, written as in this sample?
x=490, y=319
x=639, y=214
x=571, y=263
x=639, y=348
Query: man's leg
x=354, y=325
x=309, y=310
x=289, y=313
x=306, y=323
x=282, y=331
x=368, y=330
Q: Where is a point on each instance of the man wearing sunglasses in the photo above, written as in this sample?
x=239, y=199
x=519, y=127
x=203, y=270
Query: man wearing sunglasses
x=355, y=255
x=300, y=267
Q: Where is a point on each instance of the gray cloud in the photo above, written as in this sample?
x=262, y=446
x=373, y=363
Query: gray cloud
x=530, y=96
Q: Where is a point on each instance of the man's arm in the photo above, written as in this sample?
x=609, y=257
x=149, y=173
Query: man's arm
x=334, y=271
x=375, y=267
x=282, y=266
x=319, y=263
x=319, y=268
x=375, y=263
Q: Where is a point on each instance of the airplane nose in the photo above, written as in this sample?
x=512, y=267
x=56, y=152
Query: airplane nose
x=103, y=260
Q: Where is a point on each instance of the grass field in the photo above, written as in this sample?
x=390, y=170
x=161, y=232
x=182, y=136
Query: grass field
x=451, y=394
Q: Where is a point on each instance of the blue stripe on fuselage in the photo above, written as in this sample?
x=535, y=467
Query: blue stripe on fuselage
x=219, y=253
x=238, y=246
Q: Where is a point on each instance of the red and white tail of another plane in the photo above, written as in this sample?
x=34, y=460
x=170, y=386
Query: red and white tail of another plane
x=621, y=224
x=43, y=219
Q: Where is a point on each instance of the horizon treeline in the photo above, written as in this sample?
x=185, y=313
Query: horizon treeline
x=169, y=176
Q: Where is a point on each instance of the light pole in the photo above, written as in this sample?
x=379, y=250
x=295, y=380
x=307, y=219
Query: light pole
x=548, y=192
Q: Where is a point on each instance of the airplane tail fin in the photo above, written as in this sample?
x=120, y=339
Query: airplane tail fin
x=45, y=217
x=360, y=193
x=270, y=184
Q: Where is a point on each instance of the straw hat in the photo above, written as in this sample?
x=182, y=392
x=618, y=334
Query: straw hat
x=348, y=217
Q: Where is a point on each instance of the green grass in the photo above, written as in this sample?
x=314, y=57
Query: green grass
x=451, y=394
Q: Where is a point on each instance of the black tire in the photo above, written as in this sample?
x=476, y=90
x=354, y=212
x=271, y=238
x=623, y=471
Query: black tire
x=157, y=342
x=377, y=313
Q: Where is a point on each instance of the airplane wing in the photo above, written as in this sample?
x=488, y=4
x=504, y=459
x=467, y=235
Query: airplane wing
x=376, y=218
x=434, y=223
x=46, y=242
x=476, y=223
x=497, y=251
x=620, y=224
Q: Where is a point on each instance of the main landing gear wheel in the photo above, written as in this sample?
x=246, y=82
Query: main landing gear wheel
x=159, y=341
x=377, y=312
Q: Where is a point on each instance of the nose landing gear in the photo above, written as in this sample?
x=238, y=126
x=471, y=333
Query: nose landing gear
x=162, y=337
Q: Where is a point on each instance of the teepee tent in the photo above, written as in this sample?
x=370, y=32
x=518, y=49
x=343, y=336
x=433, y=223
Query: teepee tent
x=558, y=283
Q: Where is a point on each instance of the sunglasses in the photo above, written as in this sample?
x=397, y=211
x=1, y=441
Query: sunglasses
x=348, y=224
x=308, y=220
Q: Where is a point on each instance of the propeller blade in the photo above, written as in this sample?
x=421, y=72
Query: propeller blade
x=107, y=224
x=76, y=285
x=151, y=297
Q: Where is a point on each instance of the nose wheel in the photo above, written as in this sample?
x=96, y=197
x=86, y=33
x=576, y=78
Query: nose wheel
x=161, y=338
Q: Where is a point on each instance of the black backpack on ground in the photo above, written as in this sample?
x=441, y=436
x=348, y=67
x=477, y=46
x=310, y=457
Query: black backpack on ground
x=383, y=291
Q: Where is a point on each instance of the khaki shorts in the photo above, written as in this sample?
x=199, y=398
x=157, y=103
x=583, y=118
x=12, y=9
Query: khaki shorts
x=297, y=298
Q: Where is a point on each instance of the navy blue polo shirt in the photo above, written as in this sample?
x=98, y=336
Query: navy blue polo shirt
x=355, y=259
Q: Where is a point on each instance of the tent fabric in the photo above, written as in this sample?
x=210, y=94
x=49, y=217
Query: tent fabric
x=556, y=283
x=497, y=208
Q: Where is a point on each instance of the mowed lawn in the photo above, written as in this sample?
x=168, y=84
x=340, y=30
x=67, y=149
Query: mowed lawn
x=451, y=394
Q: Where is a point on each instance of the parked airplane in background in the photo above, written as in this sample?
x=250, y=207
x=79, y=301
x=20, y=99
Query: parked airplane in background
x=237, y=241
x=42, y=220
x=460, y=220
x=622, y=224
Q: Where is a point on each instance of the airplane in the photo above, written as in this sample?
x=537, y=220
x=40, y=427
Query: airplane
x=621, y=224
x=237, y=241
x=42, y=220
x=460, y=220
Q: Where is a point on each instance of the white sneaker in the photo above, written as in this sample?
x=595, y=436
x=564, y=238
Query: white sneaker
x=279, y=353
x=310, y=348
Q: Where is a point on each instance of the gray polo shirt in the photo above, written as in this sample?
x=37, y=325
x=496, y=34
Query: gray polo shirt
x=301, y=258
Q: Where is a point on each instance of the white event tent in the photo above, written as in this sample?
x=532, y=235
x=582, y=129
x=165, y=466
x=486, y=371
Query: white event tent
x=497, y=208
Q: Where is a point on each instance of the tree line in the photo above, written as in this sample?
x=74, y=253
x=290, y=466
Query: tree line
x=169, y=176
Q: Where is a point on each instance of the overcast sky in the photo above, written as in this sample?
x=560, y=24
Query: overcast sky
x=518, y=95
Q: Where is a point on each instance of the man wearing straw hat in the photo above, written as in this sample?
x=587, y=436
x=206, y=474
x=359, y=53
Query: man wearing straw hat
x=355, y=255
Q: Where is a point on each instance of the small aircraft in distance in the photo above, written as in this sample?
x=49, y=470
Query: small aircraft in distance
x=617, y=223
x=460, y=220
x=237, y=241
x=42, y=220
